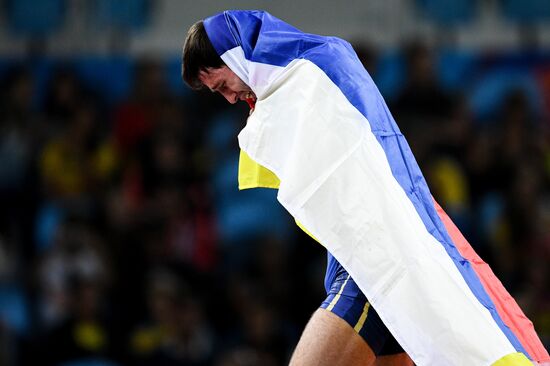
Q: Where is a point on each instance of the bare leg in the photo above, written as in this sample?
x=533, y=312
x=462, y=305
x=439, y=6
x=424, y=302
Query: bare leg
x=401, y=359
x=329, y=340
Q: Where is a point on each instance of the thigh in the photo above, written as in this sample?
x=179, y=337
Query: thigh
x=331, y=341
x=401, y=359
x=347, y=301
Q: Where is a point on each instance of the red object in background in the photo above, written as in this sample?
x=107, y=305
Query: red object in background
x=543, y=77
x=132, y=124
x=192, y=236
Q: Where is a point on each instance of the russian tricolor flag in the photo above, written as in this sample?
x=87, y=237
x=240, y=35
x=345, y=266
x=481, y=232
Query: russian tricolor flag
x=348, y=176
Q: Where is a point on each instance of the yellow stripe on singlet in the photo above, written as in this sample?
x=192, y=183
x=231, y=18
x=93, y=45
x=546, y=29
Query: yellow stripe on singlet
x=362, y=318
x=337, y=297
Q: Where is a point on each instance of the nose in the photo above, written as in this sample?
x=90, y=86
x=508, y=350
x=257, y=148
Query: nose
x=230, y=96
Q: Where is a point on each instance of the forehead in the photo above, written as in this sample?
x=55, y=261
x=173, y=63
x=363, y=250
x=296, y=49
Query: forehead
x=212, y=77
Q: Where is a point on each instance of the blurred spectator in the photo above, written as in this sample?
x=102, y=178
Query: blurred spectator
x=75, y=163
x=421, y=97
x=455, y=131
x=448, y=183
x=134, y=119
x=245, y=356
x=519, y=134
x=64, y=93
x=87, y=334
x=259, y=318
x=77, y=254
x=516, y=231
x=18, y=140
x=188, y=235
x=163, y=159
x=177, y=333
x=17, y=121
x=367, y=55
x=445, y=167
x=533, y=295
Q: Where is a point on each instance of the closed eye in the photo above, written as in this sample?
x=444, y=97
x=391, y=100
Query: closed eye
x=218, y=87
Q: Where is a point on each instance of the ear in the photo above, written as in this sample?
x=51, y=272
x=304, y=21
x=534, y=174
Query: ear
x=204, y=75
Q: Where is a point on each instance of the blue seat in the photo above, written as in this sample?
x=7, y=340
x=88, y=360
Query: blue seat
x=42, y=72
x=121, y=14
x=112, y=76
x=447, y=12
x=6, y=65
x=30, y=17
x=242, y=215
x=175, y=82
x=489, y=92
x=455, y=69
x=390, y=73
x=526, y=11
x=89, y=362
x=14, y=310
x=49, y=218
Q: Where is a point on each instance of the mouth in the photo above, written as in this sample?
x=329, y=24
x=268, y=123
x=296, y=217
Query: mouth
x=250, y=99
x=248, y=96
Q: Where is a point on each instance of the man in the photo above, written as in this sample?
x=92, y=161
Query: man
x=324, y=137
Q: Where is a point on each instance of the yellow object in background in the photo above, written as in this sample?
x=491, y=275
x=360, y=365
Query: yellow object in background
x=90, y=336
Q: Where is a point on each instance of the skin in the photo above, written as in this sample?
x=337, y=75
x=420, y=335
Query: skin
x=227, y=83
x=327, y=339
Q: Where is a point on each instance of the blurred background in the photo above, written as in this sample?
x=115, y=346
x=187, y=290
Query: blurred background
x=123, y=237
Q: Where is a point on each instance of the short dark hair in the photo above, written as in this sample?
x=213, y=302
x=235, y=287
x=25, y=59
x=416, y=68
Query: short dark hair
x=198, y=54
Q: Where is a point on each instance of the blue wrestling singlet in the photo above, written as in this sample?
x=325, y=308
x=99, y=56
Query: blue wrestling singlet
x=348, y=302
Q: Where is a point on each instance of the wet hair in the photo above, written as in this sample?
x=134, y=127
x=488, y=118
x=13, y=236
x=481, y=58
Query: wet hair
x=198, y=55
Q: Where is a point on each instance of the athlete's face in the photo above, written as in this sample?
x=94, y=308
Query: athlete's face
x=227, y=83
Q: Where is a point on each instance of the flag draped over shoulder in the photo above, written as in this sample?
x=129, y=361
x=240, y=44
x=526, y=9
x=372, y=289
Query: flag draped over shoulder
x=347, y=174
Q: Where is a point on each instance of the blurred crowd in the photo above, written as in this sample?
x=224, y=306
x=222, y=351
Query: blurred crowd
x=125, y=241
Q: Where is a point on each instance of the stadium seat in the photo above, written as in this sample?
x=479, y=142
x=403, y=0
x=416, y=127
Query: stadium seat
x=109, y=76
x=488, y=93
x=89, y=362
x=390, y=73
x=447, y=12
x=526, y=11
x=49, y=218
x=14, y=308
x=173, y=71
x=242, y=215
x=121, y=14
x=455, y=69
x=37, y=18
